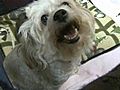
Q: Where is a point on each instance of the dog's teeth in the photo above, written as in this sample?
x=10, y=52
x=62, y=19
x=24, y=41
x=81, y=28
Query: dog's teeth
x=67, y=37
x=76, y=30
x=70, y=37
x=74, y=36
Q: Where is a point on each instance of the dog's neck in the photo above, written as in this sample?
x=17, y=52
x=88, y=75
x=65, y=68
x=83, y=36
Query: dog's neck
x=58, y=71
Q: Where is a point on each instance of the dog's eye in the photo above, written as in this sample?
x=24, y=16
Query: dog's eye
x=65, y=3
x=44, y=19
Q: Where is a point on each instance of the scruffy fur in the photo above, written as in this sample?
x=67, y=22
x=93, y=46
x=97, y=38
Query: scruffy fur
x=45, y=58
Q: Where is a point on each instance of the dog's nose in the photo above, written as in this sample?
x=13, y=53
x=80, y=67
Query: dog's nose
x=60, y=15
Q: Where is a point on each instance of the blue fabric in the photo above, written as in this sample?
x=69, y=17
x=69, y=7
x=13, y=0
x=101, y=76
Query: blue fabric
x=2, y=7
x=10, y=5
x=4, y=81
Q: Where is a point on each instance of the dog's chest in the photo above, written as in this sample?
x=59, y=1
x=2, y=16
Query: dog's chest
x=51, y=78
x=59, y=71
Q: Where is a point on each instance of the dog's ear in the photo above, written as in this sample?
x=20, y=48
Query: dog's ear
x=24, y=30
x=32, y=43
x=30, y=32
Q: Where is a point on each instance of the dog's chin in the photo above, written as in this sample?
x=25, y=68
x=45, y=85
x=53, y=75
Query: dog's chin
x=69, y=34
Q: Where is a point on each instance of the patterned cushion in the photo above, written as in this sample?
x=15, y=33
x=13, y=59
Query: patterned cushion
x=9, y=25
x=107, y=31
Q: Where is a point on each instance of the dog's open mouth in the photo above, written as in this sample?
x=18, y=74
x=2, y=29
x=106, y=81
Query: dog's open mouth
x=69, y=34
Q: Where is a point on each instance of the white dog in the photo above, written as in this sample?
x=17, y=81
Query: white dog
x=54, y=41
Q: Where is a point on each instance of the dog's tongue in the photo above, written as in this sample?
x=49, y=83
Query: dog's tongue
x=71, y=34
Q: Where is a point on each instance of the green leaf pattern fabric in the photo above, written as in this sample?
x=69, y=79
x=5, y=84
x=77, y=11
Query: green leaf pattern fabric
x=107, y=31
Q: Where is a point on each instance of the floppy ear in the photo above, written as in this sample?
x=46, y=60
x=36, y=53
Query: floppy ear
x=24, y=34
x=23, y=31
x=31, y=38
x=30, y=32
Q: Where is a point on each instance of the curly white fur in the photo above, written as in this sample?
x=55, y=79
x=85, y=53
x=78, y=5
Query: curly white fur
x=41, y=61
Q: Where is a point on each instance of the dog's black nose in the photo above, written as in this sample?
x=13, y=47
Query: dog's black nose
x=60, y=15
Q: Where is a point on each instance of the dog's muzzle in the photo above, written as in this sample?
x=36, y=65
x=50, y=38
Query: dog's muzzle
x=69, y=32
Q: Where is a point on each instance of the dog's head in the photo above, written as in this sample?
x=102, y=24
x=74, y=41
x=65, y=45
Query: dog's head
x=59, y=26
